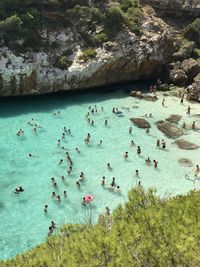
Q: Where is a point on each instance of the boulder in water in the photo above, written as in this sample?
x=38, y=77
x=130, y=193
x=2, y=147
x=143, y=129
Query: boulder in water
x=169, y=129
x=140, y=123
x=183, y=144
x=175, y=118
x=185, y=162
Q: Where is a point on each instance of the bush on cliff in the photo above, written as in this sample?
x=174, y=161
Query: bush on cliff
x=146, y=231
x=192, y=32
x=88, y=54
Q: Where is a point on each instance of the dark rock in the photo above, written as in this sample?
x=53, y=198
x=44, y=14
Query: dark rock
x=175, y=118
x=146, y=97
x=185, y=162
x=150, y=98
x=185, y=52
x=190, y=67
x=178, y=77
x=183, y=144
x=140, y=123
x=170, y=130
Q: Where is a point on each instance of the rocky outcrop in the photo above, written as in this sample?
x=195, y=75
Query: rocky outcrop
x=175, y=8
x=140, y=123
x=175, y=118
x=183, y=73
x=185, y=162
x=194, y=89
x=139, y=95
x=128, y=57
x=169, y=129
x=183, y=144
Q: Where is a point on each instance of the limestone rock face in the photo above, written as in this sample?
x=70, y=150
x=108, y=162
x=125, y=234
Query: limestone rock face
x=127, y=58
x=183, y=144
x=140, y=123
x=169, y=129
x=177, y=8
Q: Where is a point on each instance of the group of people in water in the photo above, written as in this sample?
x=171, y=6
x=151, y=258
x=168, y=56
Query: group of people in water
x=112, y=186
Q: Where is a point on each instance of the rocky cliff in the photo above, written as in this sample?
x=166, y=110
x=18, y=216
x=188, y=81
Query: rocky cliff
x=175, y=8
x=127, y=56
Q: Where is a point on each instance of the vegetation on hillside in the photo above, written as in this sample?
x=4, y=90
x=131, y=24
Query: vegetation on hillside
x=192, y=32
x=146, y=231
x=24, y=19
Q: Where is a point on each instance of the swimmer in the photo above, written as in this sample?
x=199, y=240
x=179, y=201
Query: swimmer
x=132, y=143
x=130, y=130
x=63, y=135
x=30, y=155
x=78, y=184
x=45, y=209
x=88, y=120
x=61, y=161
x=18, y=189
x=65, y=129
x=193, y=125
x=118, y=189
x=92, y=122
x=158, y=143
x=103, y=181
x=58, y=198
x=109, y=166
x=58, y=142
x=136, y=173
x=100, y=142
x=147, y=130
x=53, y=194
x=113, y=182
x=54, y=184
x=197, y=170
x=163, y=144
x=155, y=163
x=65, y=194
x=50, y=231
x=163, y=102
x=113, y=110
x=184, y=125
x=83, y=201
x=35, y=129
x=69, y=131
x=188, y=110
x=107, y=211
x=53, y=225
x=102, y=109
x=150, y=115
x=52, y=179
x=63, y=178
x=126, y=155
x=181, y=101
x=148, y=161
x=77, y=150
x=106, y=122
x=138, y=150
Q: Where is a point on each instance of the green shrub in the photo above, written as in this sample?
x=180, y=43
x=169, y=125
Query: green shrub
x=12, y=23
x=145, y=231
x=88, y=54
x=192, y=32
x=113, y=21
x=63, y=61
x=99, y=38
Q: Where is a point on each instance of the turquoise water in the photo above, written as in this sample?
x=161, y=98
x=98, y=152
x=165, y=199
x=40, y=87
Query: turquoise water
x=23, y=223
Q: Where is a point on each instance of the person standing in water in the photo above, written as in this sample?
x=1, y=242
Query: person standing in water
x=130, y=130
x=188, y=110
x=163, y=102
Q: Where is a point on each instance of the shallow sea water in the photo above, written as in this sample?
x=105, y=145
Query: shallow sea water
x=23, y=223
